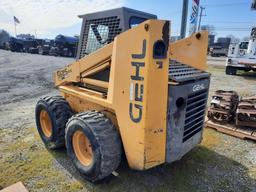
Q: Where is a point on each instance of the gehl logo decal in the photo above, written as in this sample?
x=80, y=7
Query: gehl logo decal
x=63, y=74
x=137, y=86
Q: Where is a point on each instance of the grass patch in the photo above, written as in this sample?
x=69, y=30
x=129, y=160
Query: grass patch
x=29, y=161
x=214, y=69
x=210, y=138
x=201, y=169
x=73, y=186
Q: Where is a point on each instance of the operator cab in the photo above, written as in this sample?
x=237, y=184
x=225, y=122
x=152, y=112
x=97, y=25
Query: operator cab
x=100, y=28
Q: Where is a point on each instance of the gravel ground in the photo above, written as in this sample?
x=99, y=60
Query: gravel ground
x=220, y=163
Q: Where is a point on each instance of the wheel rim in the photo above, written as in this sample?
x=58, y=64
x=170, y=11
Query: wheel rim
x=82, y=148
x=46, y=123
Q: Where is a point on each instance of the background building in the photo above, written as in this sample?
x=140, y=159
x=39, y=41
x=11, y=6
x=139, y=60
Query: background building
x=224, y=41
x=211, y=40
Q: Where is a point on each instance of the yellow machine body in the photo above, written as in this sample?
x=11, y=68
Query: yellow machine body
x=136, y=96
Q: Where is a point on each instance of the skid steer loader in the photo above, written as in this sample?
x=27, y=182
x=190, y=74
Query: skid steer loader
x=130, y=91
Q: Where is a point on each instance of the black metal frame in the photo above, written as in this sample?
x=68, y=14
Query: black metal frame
x=118, y=21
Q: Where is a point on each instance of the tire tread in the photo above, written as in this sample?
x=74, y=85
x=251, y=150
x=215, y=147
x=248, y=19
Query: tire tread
x=108, y=139
x=61, y=112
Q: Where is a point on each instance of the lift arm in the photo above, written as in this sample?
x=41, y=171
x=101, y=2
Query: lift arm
x=84, y=67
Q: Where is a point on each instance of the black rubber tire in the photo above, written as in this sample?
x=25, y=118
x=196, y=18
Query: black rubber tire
x=105, y=142
x=59, y=112
x=230, y=70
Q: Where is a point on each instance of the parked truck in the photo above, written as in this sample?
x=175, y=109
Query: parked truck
x=218, y=50
x=24, y=45
x=32, y=46
x=16, y=44
x=44, y=48
x=242, y=60
x=238, y=48
x=64, y=46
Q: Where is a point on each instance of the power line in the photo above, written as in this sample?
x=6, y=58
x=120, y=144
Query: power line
x=234, y=22
x=224, y=4
x=230, y=1
x=229, y=26
x=230, y=29
x=233, y=30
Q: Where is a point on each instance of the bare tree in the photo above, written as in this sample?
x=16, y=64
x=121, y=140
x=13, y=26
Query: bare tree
x=233, y=39
x=246, y=38
x=209, y=28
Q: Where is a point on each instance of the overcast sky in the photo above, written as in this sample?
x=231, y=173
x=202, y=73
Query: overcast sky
x=48, y=18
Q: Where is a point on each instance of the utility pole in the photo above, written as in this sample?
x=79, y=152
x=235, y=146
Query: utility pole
x=253, y=7
x=184, y=19
x=15, y=30
x=35, y=34
x=200, y=17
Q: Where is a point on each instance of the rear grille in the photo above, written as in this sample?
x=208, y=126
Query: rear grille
x=179, y=72
x=194, y=118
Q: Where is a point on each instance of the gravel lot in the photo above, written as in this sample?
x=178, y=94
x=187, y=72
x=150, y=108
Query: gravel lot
x=220, y=163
